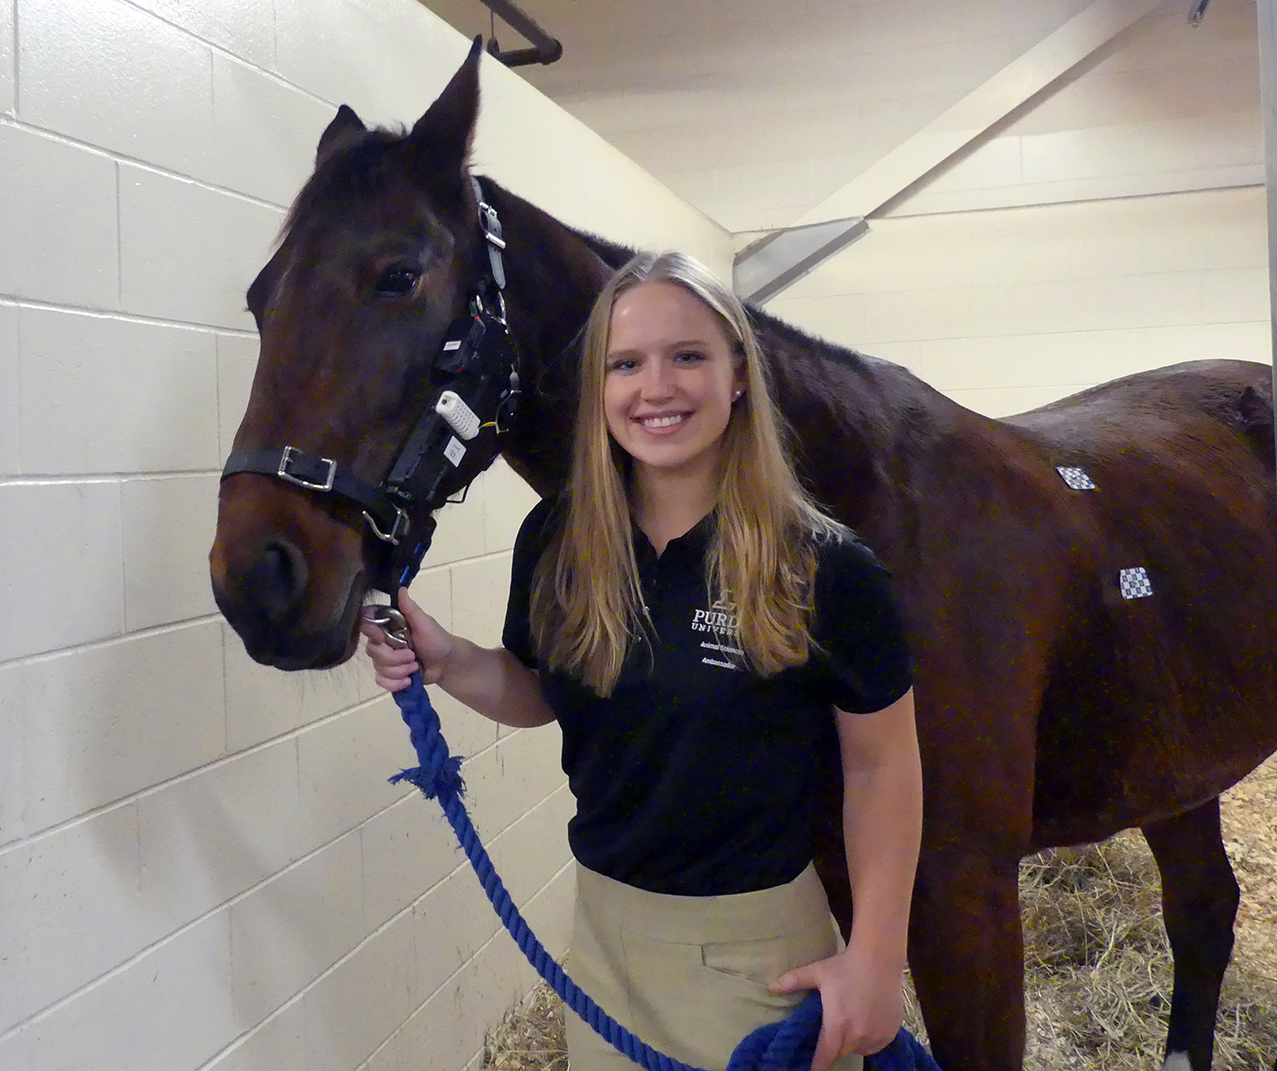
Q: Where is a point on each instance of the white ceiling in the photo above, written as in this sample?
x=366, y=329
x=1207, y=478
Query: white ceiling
x=757, y=111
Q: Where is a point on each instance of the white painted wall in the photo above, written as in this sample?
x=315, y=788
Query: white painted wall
x=201, y=864
x=1116, y=225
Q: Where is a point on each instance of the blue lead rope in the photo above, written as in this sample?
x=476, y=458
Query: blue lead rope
x=784, y=1046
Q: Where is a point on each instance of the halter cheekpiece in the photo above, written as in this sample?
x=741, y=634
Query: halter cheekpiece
x=477, y=386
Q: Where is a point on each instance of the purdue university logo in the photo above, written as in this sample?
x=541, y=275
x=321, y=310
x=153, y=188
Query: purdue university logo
x=721, y=622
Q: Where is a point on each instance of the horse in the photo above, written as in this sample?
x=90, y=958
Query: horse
x=1088, y=587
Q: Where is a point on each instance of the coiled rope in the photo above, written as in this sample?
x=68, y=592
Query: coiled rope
x=784, y=1046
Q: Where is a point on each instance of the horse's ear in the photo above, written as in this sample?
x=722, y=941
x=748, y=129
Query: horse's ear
x=447, y=129
x=344, y=128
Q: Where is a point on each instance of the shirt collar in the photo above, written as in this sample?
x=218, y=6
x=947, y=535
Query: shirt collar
x=691, y=544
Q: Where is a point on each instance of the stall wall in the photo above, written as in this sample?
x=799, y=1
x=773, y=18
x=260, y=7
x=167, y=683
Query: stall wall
x=1116, y=224
x=201, y=863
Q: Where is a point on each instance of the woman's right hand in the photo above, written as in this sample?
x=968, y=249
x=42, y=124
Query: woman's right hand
x=432, y=644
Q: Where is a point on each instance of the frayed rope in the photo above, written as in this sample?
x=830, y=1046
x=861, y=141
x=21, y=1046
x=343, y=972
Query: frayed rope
x=784, y=1046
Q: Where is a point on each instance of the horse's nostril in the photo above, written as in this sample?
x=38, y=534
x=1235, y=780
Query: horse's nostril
x=277, y=581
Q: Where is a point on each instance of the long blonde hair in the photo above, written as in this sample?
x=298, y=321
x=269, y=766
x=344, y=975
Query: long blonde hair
x=587, y=605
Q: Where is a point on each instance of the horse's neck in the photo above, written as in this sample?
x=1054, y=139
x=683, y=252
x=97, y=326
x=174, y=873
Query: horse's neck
x=866, y=433
x=553, y=278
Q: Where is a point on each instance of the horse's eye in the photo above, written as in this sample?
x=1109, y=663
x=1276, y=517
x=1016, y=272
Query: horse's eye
x=395, y=282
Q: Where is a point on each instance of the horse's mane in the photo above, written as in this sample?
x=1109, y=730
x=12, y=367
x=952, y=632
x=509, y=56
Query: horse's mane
x=612, y=253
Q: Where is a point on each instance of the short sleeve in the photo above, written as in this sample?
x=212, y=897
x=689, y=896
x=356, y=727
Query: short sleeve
x=863, y=661
x=516, y=635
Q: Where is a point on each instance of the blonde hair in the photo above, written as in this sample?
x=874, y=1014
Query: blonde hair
x=587, y=604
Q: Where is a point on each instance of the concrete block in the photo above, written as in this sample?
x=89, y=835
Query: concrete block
x=275, y=1044
x=210, y=837
x=507, y=781
x=460, y=531
x=188, y=252
x=236, y=364
x=104, y=395
x=264, y=133
x=262, y=702
x=507, y=501
x=530, y=852
x=170, y=1008
x=10, y=407
x=549, y=913
x=286, y=932
x=351, y=1011
x=480, y=591
x=62, y=549
x=8, y=96
x=432, y=591
x=59, y=215
x=1232, y=294
x=407, y=849
x=1165, y=145
x=97, y=78
x=68, y=913
x=13, y=757
x=343, y=767
x=245, y=28
x=918, y=314
x=168, y=528
x=108, y=721
x=311, y=55
x=468, y=734
x=452, y=922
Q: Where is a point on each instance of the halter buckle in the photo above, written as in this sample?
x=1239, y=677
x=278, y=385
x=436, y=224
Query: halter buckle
x=397, y=530
x=290, y=454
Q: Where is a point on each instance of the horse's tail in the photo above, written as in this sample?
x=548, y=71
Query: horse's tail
x=1255, y=415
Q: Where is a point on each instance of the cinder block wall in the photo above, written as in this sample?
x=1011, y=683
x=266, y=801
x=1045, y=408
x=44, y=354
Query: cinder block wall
x=201, y=863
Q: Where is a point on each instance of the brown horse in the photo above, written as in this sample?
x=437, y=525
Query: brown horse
x=1063, y=694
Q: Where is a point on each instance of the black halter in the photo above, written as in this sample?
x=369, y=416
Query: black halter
x=477, y=386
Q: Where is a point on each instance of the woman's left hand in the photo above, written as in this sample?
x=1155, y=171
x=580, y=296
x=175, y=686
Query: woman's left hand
x=862, y=1004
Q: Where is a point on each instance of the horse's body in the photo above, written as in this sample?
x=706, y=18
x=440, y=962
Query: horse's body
x=1051, y=709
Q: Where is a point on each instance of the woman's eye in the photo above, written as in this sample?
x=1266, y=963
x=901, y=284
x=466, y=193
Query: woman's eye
x=623, y=364
x=689, y=357
x=395, y=282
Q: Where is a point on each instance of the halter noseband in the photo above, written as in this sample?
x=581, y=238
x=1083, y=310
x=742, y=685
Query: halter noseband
x=477, y=386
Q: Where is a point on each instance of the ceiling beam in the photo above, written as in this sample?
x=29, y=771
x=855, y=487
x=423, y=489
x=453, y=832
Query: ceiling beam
x=950, y=133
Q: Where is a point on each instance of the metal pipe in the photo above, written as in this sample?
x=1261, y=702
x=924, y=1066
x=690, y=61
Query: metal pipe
x=1268, y=97
x=545, y=48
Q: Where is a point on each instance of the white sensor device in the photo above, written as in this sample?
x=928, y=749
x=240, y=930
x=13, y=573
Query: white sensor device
x=460, y=417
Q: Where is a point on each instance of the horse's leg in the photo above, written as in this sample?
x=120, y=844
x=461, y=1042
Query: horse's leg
x=966, y=954
x=1199, y=903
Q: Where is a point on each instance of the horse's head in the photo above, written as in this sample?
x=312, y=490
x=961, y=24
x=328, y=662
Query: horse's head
x=381, y=255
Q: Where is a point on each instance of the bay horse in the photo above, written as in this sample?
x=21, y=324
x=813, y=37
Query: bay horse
x=1091, y=655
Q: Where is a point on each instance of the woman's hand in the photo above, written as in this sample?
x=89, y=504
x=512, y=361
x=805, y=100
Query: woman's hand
x=862, y=1005
x=432, y=645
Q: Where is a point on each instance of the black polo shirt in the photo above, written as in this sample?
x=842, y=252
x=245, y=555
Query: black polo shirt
x=696, y=776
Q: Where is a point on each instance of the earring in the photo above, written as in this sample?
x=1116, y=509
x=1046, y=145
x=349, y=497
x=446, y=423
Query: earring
x=736, y=394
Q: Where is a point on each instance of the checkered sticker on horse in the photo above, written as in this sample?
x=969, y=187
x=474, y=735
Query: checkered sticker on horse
x=1075, y=477
x=1134, y=583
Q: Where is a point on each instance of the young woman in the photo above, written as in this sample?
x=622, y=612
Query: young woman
x=701, y=632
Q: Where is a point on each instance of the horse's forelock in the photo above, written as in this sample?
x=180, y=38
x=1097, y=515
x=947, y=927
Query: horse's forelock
x=346, y=176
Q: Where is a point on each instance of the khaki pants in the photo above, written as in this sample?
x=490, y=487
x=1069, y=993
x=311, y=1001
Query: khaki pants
x=689, y=975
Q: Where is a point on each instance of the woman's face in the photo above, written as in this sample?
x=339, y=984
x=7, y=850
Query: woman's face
x=670, y=379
